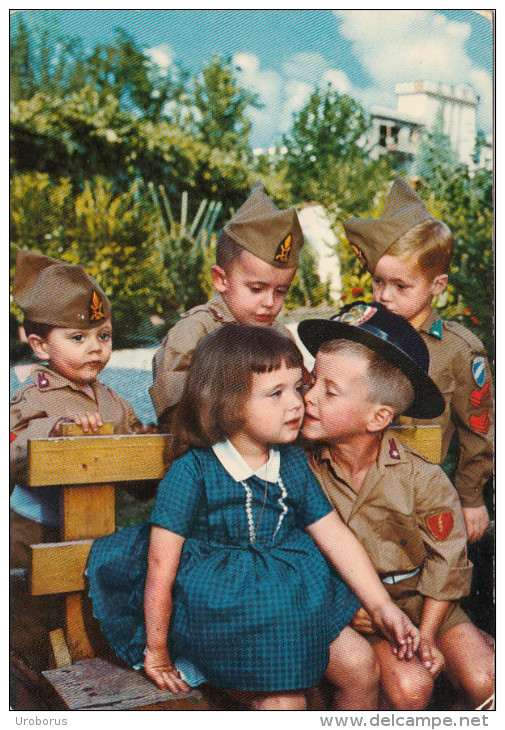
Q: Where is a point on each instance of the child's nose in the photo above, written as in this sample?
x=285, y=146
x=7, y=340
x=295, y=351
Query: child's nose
x=383, y=293
x=268, y=298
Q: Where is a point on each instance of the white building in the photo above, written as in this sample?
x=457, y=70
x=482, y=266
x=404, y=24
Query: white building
x=419, y=106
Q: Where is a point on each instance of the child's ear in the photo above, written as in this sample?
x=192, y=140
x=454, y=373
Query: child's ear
x=218, y=276
x=38, y=346
x=380, y=418
x=439, y=284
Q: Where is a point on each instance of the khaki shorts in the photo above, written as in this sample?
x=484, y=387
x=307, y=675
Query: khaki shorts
x=406, y=597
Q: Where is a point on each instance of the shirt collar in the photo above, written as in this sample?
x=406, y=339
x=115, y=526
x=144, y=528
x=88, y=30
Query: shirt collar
x=46, y=379
x=391, y=451
x=218, y=307
x=239, y=470
x=432, y=325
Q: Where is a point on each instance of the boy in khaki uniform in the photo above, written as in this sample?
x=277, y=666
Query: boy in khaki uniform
x=256, y=260
x=370, y=366
x=67, y=323
x=408, y=253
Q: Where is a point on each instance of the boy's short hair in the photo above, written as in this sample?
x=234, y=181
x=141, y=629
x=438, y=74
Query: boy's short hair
x=41, y=329
x=227, y=251
x=430, y=243
x=387, y=384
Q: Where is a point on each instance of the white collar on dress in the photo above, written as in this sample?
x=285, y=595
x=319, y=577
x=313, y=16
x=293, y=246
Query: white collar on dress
x=239, y=470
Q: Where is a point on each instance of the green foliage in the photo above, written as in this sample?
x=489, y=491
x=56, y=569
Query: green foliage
x=96, y=135
x=326, y=158
x=221, y=105
x=108, y=234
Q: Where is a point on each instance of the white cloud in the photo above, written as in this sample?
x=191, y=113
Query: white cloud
x=395, y=46
x=285, y=91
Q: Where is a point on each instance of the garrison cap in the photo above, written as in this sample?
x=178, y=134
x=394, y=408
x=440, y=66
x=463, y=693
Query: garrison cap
x=371, y=237
x=59, y=294
x=265, y=231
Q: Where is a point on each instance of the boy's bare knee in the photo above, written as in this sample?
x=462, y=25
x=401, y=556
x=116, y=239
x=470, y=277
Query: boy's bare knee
x=483, y=683
x=362, y=669
x=411, y=691
x=288, y=701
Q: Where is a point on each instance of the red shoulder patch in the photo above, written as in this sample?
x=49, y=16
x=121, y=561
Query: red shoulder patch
x=12, y=436
x=440, y=525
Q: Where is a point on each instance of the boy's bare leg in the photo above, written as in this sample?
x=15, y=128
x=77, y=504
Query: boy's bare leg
x=407, y=685
x=469, y=662
x=354, y=672
x=294, y=700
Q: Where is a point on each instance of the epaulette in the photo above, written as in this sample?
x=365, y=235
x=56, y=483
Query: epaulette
x=463, y=333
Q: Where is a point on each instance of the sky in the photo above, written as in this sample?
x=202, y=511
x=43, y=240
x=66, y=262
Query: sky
x=284, y=54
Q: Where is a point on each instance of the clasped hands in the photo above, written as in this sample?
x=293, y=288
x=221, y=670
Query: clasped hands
x=427, y=652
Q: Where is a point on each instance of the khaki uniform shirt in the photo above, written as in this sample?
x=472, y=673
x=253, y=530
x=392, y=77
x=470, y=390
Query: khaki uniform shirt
x=407, y=516
x=35, y=409
x=171, y=360
x=459, y=367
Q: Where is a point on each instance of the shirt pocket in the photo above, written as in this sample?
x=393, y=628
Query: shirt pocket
x=401, y=546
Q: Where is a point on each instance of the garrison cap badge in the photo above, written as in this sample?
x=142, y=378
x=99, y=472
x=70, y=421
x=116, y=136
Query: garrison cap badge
x=284, y=249
x=273, y=235
x=96, y=311
x=56, y=293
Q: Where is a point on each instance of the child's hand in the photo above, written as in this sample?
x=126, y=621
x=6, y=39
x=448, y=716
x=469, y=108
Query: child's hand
x=159, y=668
x=398, y=629
x=431, y=658
x=476, y=521
x=86, y=421
x=362, y=622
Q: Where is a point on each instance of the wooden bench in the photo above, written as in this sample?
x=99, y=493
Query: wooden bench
x=89, y=470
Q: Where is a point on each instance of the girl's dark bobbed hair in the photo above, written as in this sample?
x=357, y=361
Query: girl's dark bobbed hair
x=219, y=381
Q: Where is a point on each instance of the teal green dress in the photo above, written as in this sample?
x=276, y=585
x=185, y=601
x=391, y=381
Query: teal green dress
x=255, y=603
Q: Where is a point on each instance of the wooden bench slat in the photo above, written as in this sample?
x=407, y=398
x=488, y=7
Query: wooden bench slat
x=96, y=684
x=59, y=567
x=97, y=459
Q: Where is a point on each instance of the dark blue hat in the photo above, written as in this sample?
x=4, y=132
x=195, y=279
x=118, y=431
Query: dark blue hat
x=387, y=334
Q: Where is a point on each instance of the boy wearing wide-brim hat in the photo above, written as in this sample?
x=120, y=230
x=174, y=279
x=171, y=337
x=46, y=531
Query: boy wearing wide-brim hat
x=408, y=253
x=67, y=322
x=371, y=365
x=256, y=260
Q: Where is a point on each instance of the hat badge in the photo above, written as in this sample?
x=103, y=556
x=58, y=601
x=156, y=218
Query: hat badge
x=356, y=315
x=284, y=249
x=96, y=311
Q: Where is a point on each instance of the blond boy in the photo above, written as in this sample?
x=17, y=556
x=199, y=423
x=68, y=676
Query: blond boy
x=408, y=253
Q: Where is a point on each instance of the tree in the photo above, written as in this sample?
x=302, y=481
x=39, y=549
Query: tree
x=221, y=105
x=42, y=60
x=326, y=155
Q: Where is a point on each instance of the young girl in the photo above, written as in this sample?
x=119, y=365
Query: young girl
x=237, y=592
